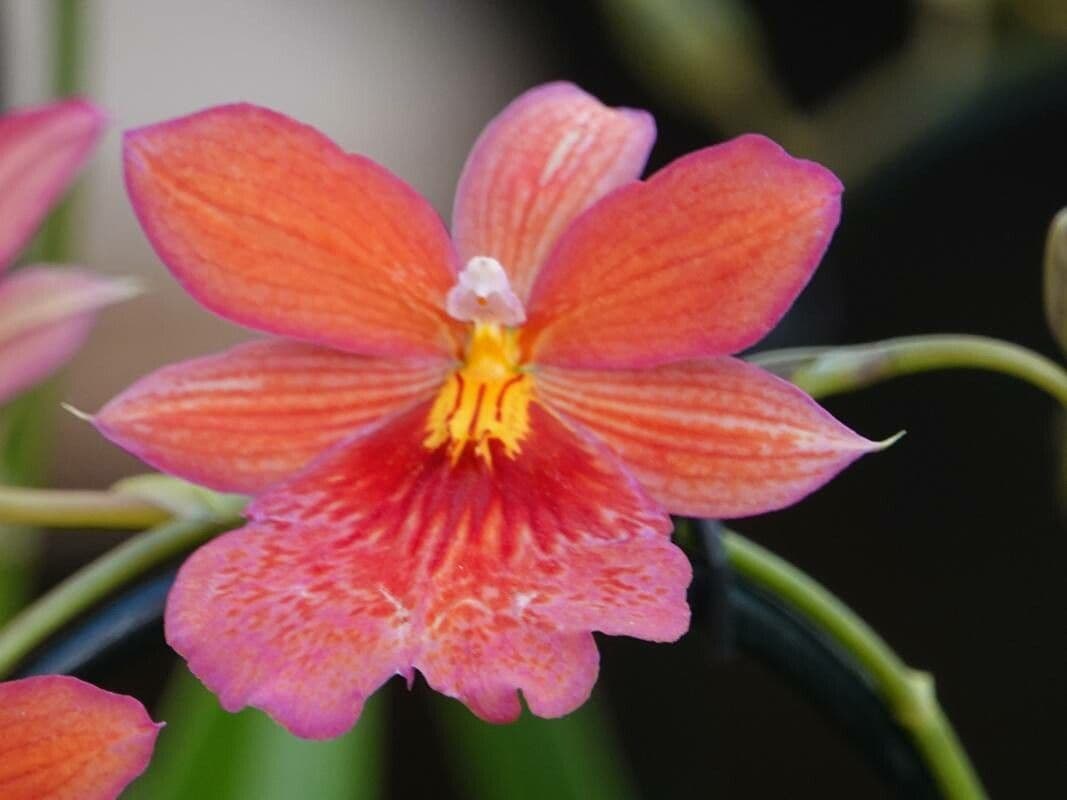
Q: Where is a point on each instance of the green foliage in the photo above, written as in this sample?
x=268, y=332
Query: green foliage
x=206, y=752
x=573, y=758
x=1056, y=278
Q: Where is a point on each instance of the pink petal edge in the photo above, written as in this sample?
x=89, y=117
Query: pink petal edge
x=45, y=316
x=41, y=151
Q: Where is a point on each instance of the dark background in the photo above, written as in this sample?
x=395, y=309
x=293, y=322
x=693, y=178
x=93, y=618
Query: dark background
x=952, y=543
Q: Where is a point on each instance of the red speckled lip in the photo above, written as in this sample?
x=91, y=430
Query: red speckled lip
x=382, y=557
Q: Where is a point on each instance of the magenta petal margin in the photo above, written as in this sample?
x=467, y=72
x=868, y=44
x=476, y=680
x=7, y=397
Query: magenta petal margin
x=41, y=150
x=45, y=316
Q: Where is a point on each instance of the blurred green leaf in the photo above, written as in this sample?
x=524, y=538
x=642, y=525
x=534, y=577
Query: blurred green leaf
x=533, y=759
x=204, y=752
x=1056, y=278
x=25, y=422
x=707, y=55
x=24, y=435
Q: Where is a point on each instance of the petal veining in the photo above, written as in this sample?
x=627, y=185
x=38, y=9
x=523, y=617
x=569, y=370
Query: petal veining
x=270, y=224
x=381, y=557
x=714, y=437
x=63, y=739
x=245, y=418
x=701, y=259
x=543, y=160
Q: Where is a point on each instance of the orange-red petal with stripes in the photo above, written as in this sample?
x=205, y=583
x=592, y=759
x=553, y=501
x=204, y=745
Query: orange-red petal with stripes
x=712, y=437
x=62, y=739
x=486, y=575
x=270, y=224
x=701, y=259
x=240, y=420
x=542, y=161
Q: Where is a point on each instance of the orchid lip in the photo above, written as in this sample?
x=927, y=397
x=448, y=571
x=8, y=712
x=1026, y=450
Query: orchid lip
x=484, y=294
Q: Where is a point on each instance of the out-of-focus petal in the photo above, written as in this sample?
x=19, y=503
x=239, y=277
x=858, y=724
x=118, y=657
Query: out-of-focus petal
x=701, y=259
x=543, y=160
x=709, y=438
x=62, y=739
x=240, y=420
x=45, y=316
x=41, y=150
x=270, y=224
x=382, y=557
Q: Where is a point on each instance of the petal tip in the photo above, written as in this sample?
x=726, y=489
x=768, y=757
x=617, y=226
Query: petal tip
x=84, y=416
x=96, y=118
x=885, y=444
x=764, y=147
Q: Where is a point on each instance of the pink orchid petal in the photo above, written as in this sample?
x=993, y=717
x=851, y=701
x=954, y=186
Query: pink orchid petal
x=382, y=557
x=296, y=620
x=270, y=224
x=701, y=259
x=41, y=150
x=45, y=316
x=547, y=157
x=710, y=438
x=240, y=420
x=62, y=739
x=482, y=657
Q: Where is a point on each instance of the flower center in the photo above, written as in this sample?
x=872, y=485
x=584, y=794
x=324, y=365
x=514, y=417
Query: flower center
x=483, y=294
x=486, y=399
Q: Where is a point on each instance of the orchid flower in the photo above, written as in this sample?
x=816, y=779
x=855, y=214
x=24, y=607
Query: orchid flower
x=464, y=451
x=63, y=739
x=45, y=312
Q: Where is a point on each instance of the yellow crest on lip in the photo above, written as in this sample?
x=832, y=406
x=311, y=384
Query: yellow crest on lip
x=486, y=399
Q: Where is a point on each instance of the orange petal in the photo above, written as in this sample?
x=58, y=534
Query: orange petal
x=62, y=739
x=710, y=438
x=701, y=259
x=240, y=420
x=543, y=160
x=272, y=225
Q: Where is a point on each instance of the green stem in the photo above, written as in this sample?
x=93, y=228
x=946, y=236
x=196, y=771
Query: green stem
x=54, y=508
x=908, y=692
x=24, y=423
x=94, y=582
x=823, y=371
x=53, y=241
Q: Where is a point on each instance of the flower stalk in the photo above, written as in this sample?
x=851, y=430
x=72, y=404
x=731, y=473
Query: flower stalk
x=908, y=692
x=97, y=580
x=50, y=508
x=824, y=371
